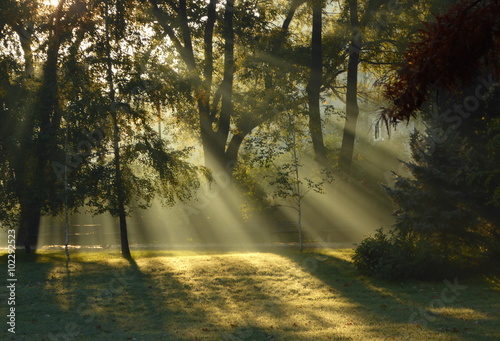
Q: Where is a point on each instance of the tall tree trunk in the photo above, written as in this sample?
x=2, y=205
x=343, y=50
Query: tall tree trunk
x=205, y=117
x=30, y=212
x=34, y=194
x=352, y=109
x=215, y=132
x=119, y=186
x=314, y=86
x=227, y=105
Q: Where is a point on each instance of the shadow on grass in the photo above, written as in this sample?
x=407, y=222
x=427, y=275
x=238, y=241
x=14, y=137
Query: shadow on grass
x=282, y=295
x=88, y=300
x=466, y=310
x=105, y=297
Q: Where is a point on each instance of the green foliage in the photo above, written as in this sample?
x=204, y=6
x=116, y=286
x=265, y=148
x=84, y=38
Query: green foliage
x=436, y=201
x=389, y=256
x=282, y=150
x=446, y=212
x=370, y=253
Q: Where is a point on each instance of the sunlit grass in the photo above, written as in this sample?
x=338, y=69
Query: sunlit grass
x=279, y=295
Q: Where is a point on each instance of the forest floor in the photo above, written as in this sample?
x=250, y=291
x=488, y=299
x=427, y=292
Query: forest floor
x=214, y=295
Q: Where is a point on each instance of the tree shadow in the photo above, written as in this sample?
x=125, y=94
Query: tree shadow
x=86, y=300
x=226, y=297
x=112, y=298
x=416, y=304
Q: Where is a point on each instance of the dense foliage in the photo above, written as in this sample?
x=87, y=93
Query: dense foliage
x=446, y=55
x=106, y=105
x=447, y=211
x=446, y=221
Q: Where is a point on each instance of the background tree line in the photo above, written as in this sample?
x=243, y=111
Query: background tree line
x=228, y=72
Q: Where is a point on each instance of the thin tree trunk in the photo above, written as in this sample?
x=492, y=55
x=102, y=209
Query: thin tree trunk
x=120, y=191
x=352, y=109
x=116, y=149
x=314, y=86
x=297, y=182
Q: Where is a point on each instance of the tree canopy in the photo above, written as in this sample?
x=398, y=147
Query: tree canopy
x=114, y=104
x=447, y=54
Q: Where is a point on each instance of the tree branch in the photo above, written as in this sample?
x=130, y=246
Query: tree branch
x=186, y=54
x=208, y=42
x=376, y=63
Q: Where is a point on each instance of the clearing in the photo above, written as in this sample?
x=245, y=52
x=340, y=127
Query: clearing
x=277, y=294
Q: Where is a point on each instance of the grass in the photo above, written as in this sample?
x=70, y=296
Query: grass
x=282, y=295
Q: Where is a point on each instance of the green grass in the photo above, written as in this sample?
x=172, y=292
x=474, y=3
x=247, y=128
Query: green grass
x=282, y=295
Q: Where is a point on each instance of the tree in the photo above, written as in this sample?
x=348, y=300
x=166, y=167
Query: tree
x=449, y=203
x=436, y=204
x=143, y=165
x=118, y=176
x=283, y=158
x=352, y=109
x=439, y=50
x=210, y=72
x=32, y=105
x=464, y=74
x=84, y=119
x=373, y=44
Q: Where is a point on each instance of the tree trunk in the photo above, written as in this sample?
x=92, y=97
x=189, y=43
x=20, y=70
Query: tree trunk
x=49, y=114
x=205, y=117
x=314, y=86
x=233, y=150
x=120, y=192
x=227, y=105
x=298, y=188
x=352, y=109
x=29, y=226
x=25, y=38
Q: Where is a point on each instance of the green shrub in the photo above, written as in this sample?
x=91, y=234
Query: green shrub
x=381, y=256
x=390, y=256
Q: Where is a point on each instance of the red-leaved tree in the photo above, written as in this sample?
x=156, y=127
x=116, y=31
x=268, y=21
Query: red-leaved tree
x=447, y=54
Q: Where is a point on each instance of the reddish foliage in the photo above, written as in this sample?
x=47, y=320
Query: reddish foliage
x=447, y=55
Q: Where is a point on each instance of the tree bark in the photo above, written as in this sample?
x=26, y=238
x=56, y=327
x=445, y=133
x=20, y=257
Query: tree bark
x=227, y=105
x=120, y=191
x=25, y=38
x=352, y=109
x=233, y=149
x=314, y=86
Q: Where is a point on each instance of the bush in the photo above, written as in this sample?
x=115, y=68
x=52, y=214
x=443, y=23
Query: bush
x=390, y=256
x=379, y=255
